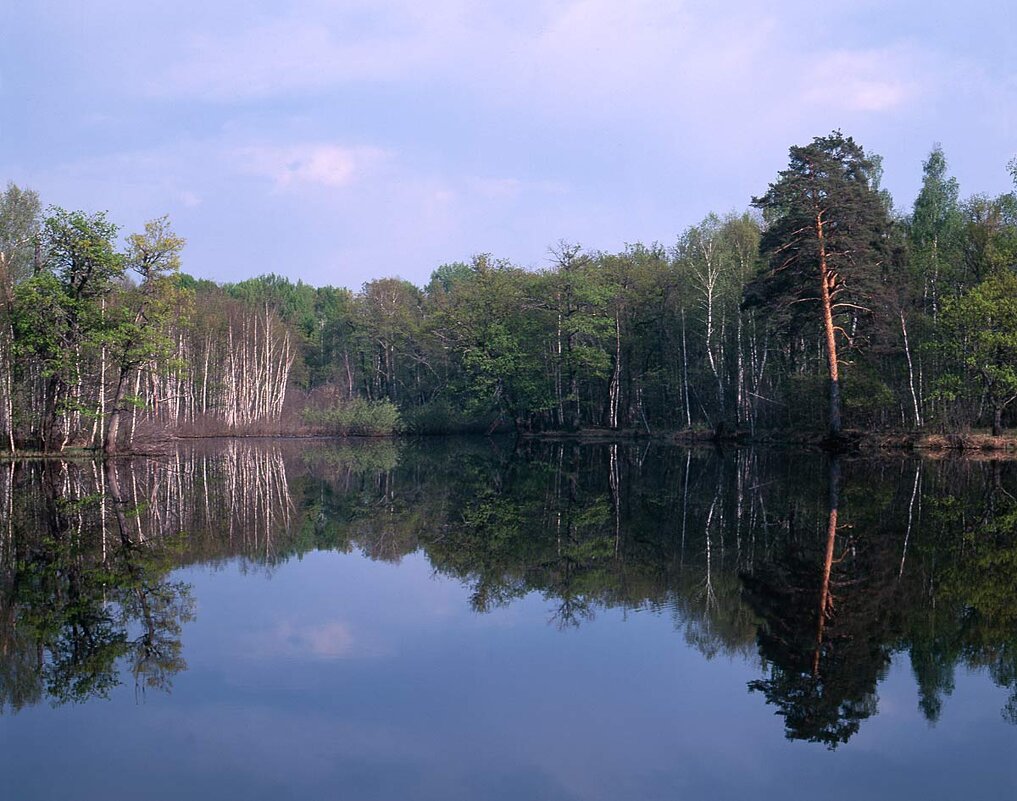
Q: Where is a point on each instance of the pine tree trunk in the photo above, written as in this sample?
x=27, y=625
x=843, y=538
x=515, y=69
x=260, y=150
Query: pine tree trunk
x=825, y=597
x=827, y=280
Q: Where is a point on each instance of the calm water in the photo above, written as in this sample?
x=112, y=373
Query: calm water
x=466, y=620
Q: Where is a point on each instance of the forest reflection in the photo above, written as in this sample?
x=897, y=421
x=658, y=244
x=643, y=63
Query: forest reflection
x=818, y=571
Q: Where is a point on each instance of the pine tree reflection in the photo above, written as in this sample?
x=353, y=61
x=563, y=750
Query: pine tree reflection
x=821, y=637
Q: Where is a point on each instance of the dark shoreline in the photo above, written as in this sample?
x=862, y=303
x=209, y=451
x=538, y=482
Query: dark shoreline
x=928, y=444
x=850, y=440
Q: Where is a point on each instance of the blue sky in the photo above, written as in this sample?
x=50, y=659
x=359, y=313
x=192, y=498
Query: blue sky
x=339, y=141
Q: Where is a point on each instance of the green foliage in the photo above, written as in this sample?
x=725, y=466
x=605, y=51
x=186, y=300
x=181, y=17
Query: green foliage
x=40, y=324
x=866, y=394
x=989, y=244
x=135, y=328
x=980, y=337
x=80, y=249
x=58, y=315
x=357, y=417
x=19, y=233
x=446, y=276
x=832, y=180
x=488, y=326
x=441, y=417
x=936, y=231
x=360, y=457
x=718, y=331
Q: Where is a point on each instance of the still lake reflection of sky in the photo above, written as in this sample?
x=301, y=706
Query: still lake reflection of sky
x=332, y=676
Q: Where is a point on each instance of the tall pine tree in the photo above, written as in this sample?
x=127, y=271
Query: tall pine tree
x=824, y=246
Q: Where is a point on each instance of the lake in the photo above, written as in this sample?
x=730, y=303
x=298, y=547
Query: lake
x=492, y=619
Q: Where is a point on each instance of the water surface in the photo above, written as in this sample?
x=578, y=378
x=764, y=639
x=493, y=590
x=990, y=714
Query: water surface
x=475, y=619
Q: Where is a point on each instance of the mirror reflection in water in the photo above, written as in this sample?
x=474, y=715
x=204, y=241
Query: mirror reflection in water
x=816, y=574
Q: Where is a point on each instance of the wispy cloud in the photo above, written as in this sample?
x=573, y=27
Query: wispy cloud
x=314, y=45
x=315, y=163
x=866, y=80
x=667, y=72
x=284, y=55
x=190, y=199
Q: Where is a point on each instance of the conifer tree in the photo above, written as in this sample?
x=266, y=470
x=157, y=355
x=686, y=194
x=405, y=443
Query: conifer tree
x=824, y=243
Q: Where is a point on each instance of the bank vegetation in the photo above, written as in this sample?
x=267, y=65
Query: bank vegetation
x=822, y=311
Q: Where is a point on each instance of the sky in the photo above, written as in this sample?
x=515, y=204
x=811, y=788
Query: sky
x=336, y=141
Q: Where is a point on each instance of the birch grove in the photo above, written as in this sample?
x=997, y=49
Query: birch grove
x=226, y=373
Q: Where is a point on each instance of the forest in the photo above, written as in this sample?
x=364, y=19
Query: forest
x=822, y=309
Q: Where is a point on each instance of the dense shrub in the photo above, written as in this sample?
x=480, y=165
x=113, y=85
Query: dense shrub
x=439, y=417
x=356, y=417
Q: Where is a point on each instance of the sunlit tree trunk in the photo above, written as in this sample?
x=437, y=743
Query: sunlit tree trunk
x=825, y=596
x=827, y=281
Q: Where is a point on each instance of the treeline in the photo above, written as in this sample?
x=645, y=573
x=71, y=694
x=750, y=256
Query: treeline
x=823, y=307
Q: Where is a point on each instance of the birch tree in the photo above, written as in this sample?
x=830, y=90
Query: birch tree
x=19, y=238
